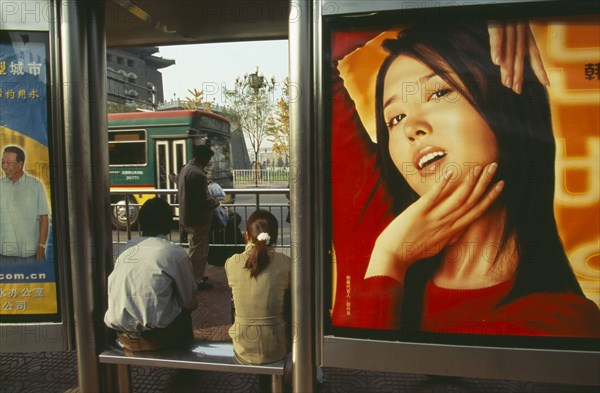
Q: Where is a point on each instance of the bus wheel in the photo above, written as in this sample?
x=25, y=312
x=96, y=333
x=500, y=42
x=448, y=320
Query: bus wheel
x=119, y=215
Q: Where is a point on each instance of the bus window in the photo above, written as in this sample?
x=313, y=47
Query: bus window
x=127, y=147
x=161, y=162
x=179, y=157
x=214, y=124
x=220, y=165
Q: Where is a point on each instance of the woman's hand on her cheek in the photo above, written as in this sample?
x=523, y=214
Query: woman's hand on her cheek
x=510, y=43
x=429, y=224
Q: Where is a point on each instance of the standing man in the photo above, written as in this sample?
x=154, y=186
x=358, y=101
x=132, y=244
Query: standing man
x=151, y=289
x=23, y=211
x=196, y=210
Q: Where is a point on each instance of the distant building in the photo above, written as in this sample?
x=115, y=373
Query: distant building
x=133, y=76
x=239, y=151
x=271, y=159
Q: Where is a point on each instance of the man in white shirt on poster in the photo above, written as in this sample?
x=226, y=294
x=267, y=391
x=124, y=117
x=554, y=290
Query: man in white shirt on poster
x=23, y=211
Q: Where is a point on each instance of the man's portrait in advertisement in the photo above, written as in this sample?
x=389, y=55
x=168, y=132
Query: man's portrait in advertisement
x=24, y=211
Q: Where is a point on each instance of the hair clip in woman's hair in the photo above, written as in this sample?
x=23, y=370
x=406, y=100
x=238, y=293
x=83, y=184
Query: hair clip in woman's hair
x=264, y=237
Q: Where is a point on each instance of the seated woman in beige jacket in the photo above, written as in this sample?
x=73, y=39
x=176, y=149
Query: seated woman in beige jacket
x=259, y=278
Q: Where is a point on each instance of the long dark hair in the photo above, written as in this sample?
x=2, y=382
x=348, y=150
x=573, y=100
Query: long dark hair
x=523, y=130
x=261, y=221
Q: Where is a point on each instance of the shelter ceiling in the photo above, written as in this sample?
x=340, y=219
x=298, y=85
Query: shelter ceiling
x=155, y=22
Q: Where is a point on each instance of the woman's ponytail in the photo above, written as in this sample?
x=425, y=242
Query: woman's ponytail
x=261, y=230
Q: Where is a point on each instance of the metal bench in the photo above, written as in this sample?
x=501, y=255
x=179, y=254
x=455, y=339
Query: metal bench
x=200, y=355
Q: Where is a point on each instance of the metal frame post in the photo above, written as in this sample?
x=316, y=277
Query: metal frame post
x=84, y=91
x=302, y=195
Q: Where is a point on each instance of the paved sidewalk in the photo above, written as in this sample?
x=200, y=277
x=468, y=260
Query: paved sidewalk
x=54, y=372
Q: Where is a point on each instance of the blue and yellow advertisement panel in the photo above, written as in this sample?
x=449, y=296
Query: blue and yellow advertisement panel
x=28, y=281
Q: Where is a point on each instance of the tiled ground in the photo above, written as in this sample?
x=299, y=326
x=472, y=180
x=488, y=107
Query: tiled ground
x=212, y=318
x=56, y=372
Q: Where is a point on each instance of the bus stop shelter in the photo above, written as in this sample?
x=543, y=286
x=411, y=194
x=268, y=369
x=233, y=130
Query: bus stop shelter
x=77, y=34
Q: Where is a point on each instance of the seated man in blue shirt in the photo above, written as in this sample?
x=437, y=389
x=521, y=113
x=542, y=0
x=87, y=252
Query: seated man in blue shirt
x=151, y=289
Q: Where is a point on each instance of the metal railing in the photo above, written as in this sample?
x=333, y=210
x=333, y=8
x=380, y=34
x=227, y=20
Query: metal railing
x=245, y=201
x=261, y=177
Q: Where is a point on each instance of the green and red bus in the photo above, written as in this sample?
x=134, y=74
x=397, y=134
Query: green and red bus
x=148, y=149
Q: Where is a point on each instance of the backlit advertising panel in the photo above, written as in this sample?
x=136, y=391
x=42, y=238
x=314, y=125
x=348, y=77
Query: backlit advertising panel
x=28, y=280
x=464, y=168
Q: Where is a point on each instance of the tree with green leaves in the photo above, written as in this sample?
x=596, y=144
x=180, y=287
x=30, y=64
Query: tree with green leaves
x=279, y=125
x=113, y=107
x=250, y=107
x=196, y=101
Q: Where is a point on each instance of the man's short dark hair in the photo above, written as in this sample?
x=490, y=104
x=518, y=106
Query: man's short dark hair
x=17, y=150
x=156, y=217
x=203, y=152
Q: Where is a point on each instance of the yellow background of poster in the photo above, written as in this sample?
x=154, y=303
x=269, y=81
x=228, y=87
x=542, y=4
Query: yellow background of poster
x=36, y=160
x=28, y=298
x=575, y=102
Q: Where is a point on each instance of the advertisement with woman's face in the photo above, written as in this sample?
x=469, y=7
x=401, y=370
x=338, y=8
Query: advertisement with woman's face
x=465, y=165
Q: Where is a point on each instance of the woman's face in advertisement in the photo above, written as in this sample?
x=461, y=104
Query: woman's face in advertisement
x=432, y=127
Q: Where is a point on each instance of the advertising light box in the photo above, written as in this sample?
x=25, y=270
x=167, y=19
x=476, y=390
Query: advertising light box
x=28, y=279
x=463, y=158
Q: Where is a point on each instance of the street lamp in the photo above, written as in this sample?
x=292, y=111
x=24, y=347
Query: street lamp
x=258, y=85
